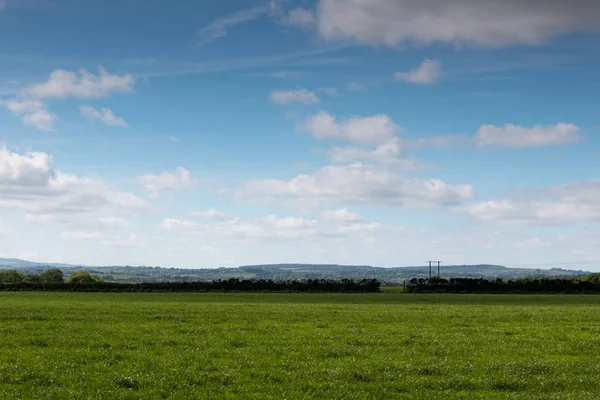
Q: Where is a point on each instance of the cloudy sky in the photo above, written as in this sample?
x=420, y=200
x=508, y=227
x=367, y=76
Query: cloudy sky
x=381, y=132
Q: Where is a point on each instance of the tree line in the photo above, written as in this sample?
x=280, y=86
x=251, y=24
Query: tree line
x=585, y=284
x=53, y=280
x=49, y=276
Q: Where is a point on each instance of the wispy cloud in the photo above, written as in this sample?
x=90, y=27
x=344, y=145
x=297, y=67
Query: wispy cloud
x=355, y=87
x=105, y=115
x=220, y=27
x=294, y=96
x=154, y=68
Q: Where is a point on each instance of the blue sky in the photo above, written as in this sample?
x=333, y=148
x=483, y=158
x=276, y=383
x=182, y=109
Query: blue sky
x=381, y=132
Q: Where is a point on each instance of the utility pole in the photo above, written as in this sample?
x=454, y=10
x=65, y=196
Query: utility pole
x=439, y=263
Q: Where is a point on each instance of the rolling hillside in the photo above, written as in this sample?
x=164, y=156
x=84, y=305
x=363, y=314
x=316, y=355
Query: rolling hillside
x=289, y=271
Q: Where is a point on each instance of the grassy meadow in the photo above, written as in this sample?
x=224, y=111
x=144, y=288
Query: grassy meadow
x=298, y=346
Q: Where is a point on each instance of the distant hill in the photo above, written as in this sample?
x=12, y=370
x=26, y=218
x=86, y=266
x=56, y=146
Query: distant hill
x=290, y=271
x=17, y=263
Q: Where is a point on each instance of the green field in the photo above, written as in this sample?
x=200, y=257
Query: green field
x=288, y=346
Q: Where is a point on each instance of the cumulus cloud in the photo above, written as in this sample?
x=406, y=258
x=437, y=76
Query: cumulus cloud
x=166, y=181
x=302, y=96
x=32, y=113
x=30, y=183
x=63, y=84
x=270, y=227
x=385, y=153
x=211, y=213
x=569, y=203
x=28, y=105
x=519, y=137
x=425, y=74
x=333, y=224
x=485, y=23
x=359, y=184
x=32, y=169
x=105, y=115
x=341, y=215
x=378, y=129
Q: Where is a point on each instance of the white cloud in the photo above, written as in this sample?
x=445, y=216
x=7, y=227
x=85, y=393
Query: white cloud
x=294, y=96
x=4, y=230
x=425, y=74
x=355, y=87
x=519, y=137
x=385, y=153
x=438, y=142
x=32, y=112
x=170, y=224
x=328, y=90
x=30, y=183
x=346, y=221
x=115, y=222
x=569, y=203
x=220, y=27
x=105, y=115
x=485, y=23
x=270, y=227
x=81, y=235
x=63, y=84
x=132, y=241
x=20, y=107
x=180, y=180
x=333, y=224
x=32, y=169
x=300, y=17
x=342, y=215
x=2, y=4
x=39, y=218
x=378, y=129
x=534, y=212
x=129, y=241
x=359, y=184
x=209, y=214
x=173, y=138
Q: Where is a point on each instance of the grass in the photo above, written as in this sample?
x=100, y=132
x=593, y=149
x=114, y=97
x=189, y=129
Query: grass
x=288, y=346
